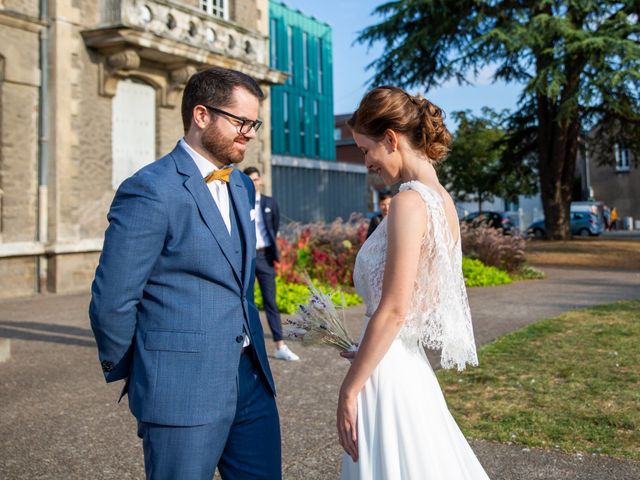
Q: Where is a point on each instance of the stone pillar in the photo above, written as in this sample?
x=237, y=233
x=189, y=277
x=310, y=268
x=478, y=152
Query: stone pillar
x=64, y=46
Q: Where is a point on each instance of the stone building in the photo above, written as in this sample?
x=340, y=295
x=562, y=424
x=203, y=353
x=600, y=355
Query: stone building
x=89, y=92
x=612, y=176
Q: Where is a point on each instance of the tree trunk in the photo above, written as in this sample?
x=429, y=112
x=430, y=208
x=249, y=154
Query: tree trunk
x=558, y=129
x=557, y=167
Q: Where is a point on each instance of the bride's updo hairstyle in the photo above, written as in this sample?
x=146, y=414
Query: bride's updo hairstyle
x=417, y=118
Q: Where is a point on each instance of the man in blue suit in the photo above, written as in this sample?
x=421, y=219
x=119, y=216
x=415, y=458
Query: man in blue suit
x=169, y=305
x=267, y=224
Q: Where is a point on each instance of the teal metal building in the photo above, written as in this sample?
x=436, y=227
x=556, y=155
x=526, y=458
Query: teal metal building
x=301, y=109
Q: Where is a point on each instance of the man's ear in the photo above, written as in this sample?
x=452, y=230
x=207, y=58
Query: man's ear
x=201, y=116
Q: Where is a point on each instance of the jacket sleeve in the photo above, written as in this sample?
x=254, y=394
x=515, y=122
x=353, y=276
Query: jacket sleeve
x=133, y=242
x=276, y=216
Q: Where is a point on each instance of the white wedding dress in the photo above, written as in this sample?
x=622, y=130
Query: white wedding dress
x=405, y=430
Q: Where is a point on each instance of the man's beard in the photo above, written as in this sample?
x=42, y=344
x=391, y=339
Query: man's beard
x=221, y=148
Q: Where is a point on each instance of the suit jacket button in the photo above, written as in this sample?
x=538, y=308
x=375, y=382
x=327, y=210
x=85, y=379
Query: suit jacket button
x=107, y=366
x=239, y=338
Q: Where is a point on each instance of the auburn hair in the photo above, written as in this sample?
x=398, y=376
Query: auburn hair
x=391, y=108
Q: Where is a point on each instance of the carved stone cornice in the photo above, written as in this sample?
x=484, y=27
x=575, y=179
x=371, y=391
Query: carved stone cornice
x=20, y=21
x=164, y=43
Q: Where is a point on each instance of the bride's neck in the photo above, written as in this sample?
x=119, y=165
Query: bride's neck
x=419, y=168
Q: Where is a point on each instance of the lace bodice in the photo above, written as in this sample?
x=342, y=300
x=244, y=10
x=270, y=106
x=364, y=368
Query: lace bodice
x=439, y=315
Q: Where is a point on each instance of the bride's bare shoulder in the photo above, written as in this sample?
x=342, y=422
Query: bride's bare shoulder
x=407, y=197
x=407, y=209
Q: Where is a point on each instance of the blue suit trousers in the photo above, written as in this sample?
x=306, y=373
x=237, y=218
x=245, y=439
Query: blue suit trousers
x=251, y=450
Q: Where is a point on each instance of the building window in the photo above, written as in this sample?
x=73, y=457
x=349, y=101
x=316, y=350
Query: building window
x=316, y=129
x=133, y=129
x=621, y=155
x=274, y=43
x=285, y=116
x=217, y=8
x=337, y=134
x=320, y=71
x=290, y=53
x=305, y=59
x=302, y=125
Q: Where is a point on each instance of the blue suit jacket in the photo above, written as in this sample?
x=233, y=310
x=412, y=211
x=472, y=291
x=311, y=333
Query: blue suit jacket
x=271, y=218
x=169, y=298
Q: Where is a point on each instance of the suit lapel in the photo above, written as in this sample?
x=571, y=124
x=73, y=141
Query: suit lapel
x=240, y=199
x=206, y=205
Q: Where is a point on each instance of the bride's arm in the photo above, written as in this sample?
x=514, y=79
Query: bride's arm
x=406, y=226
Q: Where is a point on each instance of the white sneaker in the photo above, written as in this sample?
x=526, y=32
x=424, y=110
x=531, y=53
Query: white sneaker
x=283, y=353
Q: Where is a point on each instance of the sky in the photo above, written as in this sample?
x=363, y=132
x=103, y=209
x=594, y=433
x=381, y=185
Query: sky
x=350, y=77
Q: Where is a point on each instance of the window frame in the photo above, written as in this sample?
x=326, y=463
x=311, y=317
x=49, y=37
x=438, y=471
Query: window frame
x=216, y=8
x=622, y=158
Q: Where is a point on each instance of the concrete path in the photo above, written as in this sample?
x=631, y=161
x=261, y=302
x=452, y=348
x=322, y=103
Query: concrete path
x=60, y=421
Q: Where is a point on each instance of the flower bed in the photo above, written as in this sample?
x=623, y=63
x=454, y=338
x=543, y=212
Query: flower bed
x=327, y=252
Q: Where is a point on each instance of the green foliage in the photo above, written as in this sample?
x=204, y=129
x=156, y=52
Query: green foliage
x=303, y=256
x=569, y=382
x=527, y=272
x=290, y=295
x=578, y=63
x=474, y=169
x=477, y=274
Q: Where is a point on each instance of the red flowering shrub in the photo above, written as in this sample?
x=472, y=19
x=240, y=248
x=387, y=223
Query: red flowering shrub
x=326, y=251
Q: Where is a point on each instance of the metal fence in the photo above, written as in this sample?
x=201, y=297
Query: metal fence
x=316, y=190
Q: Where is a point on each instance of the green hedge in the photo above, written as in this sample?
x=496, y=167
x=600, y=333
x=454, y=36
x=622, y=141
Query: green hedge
x=290, y=295
x=477, y=274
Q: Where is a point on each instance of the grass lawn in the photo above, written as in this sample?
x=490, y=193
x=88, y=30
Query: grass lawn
x=570, y=382
x=591, y=252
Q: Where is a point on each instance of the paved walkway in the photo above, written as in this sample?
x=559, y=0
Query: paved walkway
x=60, y=421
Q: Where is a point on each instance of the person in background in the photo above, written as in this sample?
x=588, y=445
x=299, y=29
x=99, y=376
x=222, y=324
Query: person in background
x=267, y=223
x=614, y=219
x=606, y=215
x=384, y=200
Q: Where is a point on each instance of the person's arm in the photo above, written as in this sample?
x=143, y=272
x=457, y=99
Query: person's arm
x=276, y=216
x=373, y=223
x=406, y=226
x=133, y=241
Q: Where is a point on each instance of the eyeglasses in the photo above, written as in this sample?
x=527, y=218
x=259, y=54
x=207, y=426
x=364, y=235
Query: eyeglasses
x=245, y=124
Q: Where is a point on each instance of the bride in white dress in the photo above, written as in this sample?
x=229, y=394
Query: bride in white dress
x=392, y=419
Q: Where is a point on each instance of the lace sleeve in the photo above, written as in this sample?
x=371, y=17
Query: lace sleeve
x=439, y=316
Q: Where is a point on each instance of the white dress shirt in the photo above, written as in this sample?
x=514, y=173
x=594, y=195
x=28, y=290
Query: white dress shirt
x=219, y=192
x=218, y=188
x=262, y=236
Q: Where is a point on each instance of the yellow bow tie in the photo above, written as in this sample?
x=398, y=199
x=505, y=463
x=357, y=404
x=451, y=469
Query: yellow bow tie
x=222, y=174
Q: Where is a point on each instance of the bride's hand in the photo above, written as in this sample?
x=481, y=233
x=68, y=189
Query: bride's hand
x=347, y=423
x=348, y=355
x=351, y=353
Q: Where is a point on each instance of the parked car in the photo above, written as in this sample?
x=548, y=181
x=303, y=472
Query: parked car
x=595, y=207
x=583, y=224
x=493, y=219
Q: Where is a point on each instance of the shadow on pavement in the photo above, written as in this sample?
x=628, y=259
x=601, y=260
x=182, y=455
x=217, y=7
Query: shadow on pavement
x=44, y=332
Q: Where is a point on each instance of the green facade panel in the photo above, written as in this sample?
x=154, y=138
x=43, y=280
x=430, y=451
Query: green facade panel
x=302, y=108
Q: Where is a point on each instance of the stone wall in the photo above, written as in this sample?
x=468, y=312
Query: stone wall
x=78, y=189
